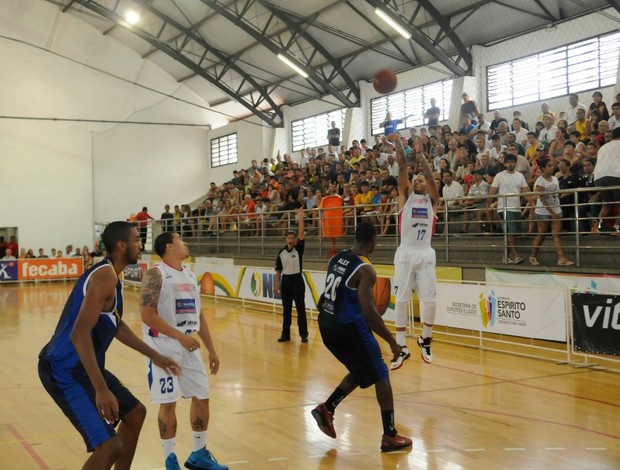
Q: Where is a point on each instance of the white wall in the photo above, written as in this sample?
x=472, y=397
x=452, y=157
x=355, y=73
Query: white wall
x=59, y=177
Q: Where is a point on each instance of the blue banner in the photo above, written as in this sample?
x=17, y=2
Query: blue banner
x=8, y=270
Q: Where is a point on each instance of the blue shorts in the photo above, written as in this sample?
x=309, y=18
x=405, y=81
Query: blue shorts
x=355, y=346
x=75, y=395
x=512, y=222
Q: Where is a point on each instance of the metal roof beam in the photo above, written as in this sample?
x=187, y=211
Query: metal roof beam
x=426, y=43
x=336, y=64
x=269, y=43
x=273, y=117
x=615, y=4
x=444, y=23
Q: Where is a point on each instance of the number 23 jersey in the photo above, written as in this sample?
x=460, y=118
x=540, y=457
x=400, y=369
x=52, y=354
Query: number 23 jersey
x=416, y=221
x=339, y=300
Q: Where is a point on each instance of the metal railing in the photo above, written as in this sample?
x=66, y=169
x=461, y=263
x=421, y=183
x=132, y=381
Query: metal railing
x=228, y=233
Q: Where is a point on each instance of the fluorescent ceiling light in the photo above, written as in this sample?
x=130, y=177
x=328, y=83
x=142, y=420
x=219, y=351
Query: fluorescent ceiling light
x=385, y=17
x=132, y=17
x=292, y=65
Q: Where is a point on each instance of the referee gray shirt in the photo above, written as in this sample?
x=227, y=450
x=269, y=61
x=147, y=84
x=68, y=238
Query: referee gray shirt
x=290, y=262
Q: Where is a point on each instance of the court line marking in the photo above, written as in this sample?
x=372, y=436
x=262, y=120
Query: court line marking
x=475, y=450
x=596, y=448
x=277, y=459
x=514, y=449
x=237, y=462
x=517, y=382
x=27, y=447
x=511, y=415
x=555, y=448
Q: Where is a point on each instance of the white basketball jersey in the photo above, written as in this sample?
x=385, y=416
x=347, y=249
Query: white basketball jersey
x=416, y=221
x=179, y=300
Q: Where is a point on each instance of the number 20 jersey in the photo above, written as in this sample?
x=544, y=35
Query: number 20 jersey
x=416, y=220
x=339, y=300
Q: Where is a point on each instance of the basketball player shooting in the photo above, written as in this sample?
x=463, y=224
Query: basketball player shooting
x=414, y=261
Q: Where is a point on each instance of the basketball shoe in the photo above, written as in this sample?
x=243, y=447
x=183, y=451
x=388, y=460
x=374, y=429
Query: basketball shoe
x=324, y=419
x=203, y=460
x=425, y=346
x=402, y=357
x=172, y=462
x=389, y=443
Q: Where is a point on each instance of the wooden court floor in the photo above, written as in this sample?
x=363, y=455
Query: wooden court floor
x=469, y=410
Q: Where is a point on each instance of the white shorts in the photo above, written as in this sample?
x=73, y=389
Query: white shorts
x=193, y=380
x=414, y=268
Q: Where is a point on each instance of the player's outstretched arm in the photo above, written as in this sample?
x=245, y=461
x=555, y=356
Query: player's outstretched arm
x=302, y=227
x=425, y=168
x=149, y=298
x=404, y=185
x=366, y=297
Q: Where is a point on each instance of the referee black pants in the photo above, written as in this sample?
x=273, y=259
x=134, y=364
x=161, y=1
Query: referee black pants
x=293, y=289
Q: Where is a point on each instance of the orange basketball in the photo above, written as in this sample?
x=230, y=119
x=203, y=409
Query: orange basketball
x=382, y=291
x=384, y=81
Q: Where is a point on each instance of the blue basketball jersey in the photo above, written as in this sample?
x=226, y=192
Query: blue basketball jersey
x=339, y=299
x=60, y=350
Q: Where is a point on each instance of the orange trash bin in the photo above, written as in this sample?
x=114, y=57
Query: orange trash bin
x=332, y=217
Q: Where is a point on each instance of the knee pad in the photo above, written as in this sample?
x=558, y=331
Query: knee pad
x=401, y=309
x=429, y=311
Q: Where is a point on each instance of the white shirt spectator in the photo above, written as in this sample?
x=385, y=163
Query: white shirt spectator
x=393, y=168
x=553, y=198
x=608, y=160
x=613, y=122
x=381, y=159
x=452, y=192
x=509, y=183
x=522, y=135
x=494, y=153
x=571, y=113
x=546, y=135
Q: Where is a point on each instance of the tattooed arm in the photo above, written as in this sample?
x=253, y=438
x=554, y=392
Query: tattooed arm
x=149, y=297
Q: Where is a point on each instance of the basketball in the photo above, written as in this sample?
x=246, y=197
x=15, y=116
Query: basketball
x=383, y=292
x=384, y=81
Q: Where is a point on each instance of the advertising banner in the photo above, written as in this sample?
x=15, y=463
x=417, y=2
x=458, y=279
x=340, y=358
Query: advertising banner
x=578, y=283
x=221, y=281
x=259, y=284
x=135, y=272
x=596, y=323
x=33, y=269
x=529, y=313
x=8, y=270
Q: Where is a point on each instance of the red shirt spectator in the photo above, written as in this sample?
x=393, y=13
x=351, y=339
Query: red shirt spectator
x=142, y=217
x=12, y=245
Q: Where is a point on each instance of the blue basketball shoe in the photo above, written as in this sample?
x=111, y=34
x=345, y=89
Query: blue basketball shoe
x=203, y=460
x=172, y=463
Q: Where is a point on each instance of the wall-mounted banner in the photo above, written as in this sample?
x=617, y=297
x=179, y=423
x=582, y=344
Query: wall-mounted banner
x=8, y=271
x=529, y=313
x=50, y=268
x=135, y=272
x=575, y=282
x=596, y=323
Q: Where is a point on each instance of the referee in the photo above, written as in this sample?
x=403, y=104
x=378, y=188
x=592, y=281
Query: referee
x=290, y=282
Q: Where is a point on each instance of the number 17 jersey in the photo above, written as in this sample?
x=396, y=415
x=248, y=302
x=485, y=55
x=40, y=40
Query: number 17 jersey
x=416, y=221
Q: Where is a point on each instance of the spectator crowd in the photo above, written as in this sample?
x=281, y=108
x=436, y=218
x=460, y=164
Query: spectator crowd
x=466, y=162
x=10, y=250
